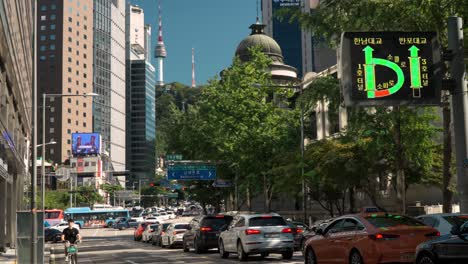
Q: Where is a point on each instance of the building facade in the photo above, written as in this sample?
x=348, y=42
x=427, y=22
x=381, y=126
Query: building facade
x=141, y=98
x=109, y=78
x=302, y=50
x=65, y=66
x=15, y=113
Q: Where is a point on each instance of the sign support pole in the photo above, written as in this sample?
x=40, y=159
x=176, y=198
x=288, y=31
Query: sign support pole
x=459, y=107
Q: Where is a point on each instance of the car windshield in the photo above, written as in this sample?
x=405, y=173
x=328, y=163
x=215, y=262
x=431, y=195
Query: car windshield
x=216, y=222
x=182, y=226
x=267, y=221
x=457, y=220
x=165, y=226
x=154, y=227
x=392, y=221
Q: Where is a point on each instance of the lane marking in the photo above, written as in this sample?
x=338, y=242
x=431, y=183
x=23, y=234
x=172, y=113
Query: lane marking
x=131, y=262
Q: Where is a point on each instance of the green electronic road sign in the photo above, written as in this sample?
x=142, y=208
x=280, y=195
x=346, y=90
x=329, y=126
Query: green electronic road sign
x=390, y=68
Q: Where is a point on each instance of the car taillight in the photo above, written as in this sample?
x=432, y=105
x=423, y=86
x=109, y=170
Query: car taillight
x=267, y=216
x=219, y=216
x=206, y=229
x=299, y=231
x=287, y=230
x=252, y=232
x=383, y=237
x=433, y=234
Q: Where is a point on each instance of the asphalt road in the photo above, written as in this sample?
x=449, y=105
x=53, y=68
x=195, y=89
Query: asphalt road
x=117, y=247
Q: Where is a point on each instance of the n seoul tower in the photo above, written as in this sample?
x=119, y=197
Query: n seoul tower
x=160, y=51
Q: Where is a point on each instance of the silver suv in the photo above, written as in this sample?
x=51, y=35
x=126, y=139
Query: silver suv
x=250, y=234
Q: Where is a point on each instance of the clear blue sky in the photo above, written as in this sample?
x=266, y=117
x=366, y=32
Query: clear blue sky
x=213, y=27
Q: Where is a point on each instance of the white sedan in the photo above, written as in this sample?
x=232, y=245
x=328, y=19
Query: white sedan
x=174, y=235
x=63, y=225
x=152, y=220
x=148, y=233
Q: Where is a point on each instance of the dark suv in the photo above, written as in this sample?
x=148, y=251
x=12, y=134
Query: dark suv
x=203, y=232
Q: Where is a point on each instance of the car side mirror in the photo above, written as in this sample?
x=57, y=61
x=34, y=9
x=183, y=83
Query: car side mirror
x=319, y=232
x=464, y=229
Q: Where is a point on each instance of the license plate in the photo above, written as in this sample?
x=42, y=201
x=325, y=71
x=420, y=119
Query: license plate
x=271, y=235
x=407, y=256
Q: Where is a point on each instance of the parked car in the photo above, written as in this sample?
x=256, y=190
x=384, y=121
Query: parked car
x=52, y=234
x=62, y=225
x=443, y=222
x=171, y=214
x=250, y=234
x=173, y=235
x=368, y=238
x=138, y=233
x=203, y=232
x=148, y=232
x=157, y=236
x=446, y=249
x=152, y=219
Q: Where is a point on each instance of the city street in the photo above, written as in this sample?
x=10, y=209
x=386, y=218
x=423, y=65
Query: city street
x=114, y=246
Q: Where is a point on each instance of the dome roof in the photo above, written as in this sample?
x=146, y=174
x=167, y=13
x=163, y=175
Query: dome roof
x=258, y=38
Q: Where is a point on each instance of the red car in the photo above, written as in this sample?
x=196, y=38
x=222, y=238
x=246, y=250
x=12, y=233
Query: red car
x=368, y=238
x=138, y=233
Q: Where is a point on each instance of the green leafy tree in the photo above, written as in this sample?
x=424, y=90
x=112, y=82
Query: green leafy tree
x=56, y=200
x=110, y=189
x=88, y=195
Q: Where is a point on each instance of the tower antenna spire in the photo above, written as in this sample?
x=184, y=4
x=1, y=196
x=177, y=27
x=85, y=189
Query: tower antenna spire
x=160, y=50
x=193, y=69
x=258, y=20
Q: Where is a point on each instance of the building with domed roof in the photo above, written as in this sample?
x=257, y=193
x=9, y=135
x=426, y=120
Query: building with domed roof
x=280, y=72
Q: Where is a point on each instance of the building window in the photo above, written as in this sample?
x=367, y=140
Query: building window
x=70, y=10
x=77, y=113
x=52, y=17
x=84, y=75
x=77, y=102
x=43, y=8
x=84, y=105
x=84, y=85
x=84, y=65
x=76, y=122
x=85, y=37
x=43, y=48
x=69, y=121
x=51, y=130
x=52, y=109
x=78, y=23
x=52, y=37
x=85, y=7
x=85, y=27
x=78, y=63
x=52, y=119
x=84, y=114
x=69, y=110
x=68, y=152
x=69, y=100
x=42, y=58
x=85, y=46
x=69, y=70
x=53, y=7
x=69, y=90
x=51, y=151
x=78, y=43
x=77, y=82
x=43, y=18
x=77, y=52
x=69, y=59
x=69, y=19
x=68, y=141
x=52, y=56
x=69, y=80
x=69, y=49
x=52, y=47
x=52, y=26
x=69, y=29
x=86, y=164
x=93, y=164
x=52, y=99
x=84, y=56
x=43, y=37
x=84, y=124
x=69, y=39
x=43, y=27
x=69, y=131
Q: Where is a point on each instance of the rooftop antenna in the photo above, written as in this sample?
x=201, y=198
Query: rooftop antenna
x=160, y=50
x=258, y=21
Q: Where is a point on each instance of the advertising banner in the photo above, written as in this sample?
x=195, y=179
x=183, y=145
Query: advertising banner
x=86, y=144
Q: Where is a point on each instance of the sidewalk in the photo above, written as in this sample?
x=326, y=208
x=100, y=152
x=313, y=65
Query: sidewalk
x=9, y=257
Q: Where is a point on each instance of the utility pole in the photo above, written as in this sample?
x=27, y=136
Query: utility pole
x=34, y=227
x=459, y=107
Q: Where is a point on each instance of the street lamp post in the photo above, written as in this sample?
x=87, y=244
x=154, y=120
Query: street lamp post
x=43, y=173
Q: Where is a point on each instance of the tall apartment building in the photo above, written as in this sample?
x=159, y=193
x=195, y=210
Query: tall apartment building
x=300, y=48
x=109, y=78
x=141, y=98
x=15, y=113
x=65, y=66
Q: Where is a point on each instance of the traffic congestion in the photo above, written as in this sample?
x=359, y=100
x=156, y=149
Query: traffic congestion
x=371, y=236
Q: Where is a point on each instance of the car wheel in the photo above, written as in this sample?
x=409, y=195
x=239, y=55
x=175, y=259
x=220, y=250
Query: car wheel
x=287, y=254
x=184, y=246
x=222, y=252
x=310, y=257
x=241, y=255
x=355, y=258
x=425, y=259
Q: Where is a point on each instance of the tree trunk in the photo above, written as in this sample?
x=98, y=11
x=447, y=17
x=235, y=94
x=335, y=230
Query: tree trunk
x=265, y=193
x=248, y=198
x=447, y=174
x=399, y=159
x=351, y=200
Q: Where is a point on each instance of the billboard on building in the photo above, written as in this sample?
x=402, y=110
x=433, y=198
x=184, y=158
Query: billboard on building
x=84, y=144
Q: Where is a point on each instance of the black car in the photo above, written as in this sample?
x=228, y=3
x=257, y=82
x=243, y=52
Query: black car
x=203, y=232
x=52, y=234
x=452, y=248
x=299, y=229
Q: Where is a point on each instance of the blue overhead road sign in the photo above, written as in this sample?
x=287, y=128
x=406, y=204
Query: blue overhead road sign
x=191, y=172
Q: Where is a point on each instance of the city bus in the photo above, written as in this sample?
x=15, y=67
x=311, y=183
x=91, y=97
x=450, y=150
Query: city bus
x=53, y=217
x=87, y=218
